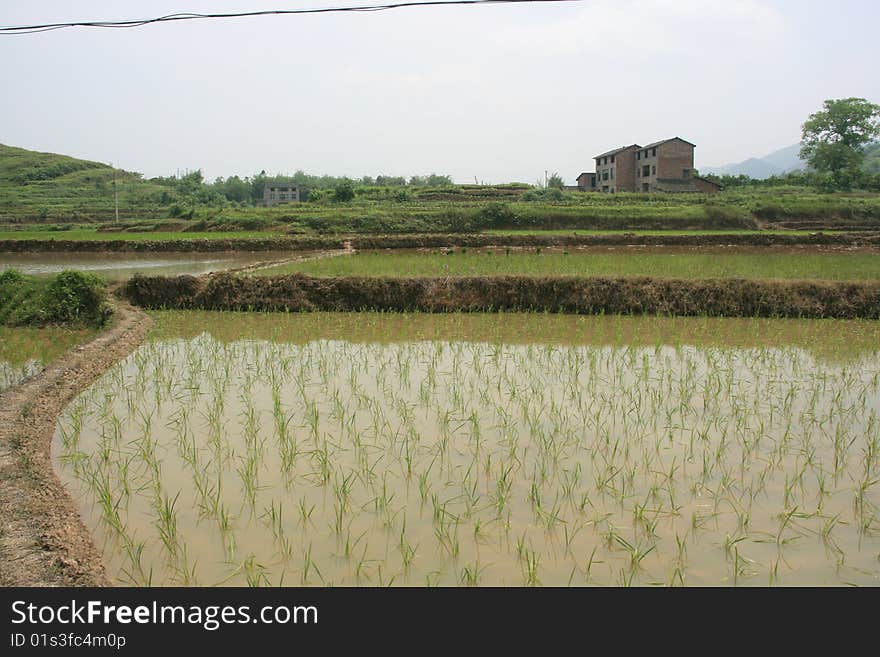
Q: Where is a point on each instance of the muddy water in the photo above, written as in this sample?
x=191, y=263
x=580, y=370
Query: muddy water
x=12, y=375
x=285, y=452
x=119, y=266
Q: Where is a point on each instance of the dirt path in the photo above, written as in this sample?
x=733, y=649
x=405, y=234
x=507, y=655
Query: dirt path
x=43, y=541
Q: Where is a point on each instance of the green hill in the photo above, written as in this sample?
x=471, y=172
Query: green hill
x=49, y=187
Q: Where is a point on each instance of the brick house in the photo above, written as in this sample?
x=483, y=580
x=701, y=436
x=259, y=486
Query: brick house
x=274, y=193
x=662, y=166
x=586, y=182
x=615, y=170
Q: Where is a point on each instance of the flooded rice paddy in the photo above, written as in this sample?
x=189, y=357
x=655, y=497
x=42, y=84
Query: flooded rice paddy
x=370, y=449
x=675, y=262
x=119, y=266
x=25, y=351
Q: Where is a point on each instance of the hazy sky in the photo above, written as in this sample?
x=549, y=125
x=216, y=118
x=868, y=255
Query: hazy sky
x=497, y=92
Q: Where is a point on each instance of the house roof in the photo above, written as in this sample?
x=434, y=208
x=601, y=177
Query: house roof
x=616, y=151
x=706, y=180
x=587, y=173
x=663, y=141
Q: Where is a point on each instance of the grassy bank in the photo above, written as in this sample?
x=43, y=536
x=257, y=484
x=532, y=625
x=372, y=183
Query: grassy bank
x=674, y=264
x=721, y=297
x=87, y=233
x=70, y=298
x=274, y=242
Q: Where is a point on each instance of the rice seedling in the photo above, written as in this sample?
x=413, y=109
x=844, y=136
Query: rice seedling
x=597, y=454
x=669, y=262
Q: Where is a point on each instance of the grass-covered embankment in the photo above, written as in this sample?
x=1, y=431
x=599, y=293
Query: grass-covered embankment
x=70, y=298
x=273, y=242
x=595, y=295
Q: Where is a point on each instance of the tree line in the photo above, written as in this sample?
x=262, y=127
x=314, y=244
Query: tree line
x=249, y=190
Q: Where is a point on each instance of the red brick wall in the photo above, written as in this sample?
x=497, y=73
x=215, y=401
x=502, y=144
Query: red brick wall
x=673, y=157
x=706, y=186
x=625, y=170
x=584, y=181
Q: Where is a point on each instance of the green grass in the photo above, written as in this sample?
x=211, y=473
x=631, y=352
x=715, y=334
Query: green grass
x=19, y=344
x=562, y=231
x=670, y=263
x=82, y=234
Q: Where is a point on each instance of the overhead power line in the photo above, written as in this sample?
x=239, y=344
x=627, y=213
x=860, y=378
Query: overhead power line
x=47, y=27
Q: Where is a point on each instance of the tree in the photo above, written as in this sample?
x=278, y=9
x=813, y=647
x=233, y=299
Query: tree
x=343, y=192
x=555, y=181
x=834, y=138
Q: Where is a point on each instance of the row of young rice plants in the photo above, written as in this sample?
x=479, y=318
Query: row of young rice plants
x=666, y=262
x=482, y=461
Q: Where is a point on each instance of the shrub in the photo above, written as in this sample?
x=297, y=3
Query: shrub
x=548, y=194
x=716, y=213
x=77, y=298
x=343, y=192
x=70, y=297
x=496, y=215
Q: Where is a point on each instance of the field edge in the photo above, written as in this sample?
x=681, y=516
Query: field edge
x=43, y=540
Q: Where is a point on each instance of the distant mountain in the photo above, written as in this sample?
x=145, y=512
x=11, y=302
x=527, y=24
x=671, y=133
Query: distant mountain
x=786, y=159
x=776, y=163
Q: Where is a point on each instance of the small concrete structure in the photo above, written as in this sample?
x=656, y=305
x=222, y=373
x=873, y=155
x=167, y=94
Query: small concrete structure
x=275, y=194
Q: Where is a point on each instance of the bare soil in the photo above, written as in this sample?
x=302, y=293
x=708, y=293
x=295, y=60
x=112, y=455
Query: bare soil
x=43, y=541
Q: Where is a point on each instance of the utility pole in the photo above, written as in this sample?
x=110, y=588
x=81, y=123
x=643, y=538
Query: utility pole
x=115, y=195
x=545, y=179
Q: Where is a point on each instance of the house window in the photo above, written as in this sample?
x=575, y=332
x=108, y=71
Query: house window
x=612, y=173
x=604, y=175
x=654, y=152
x=685, y=173
x=654, y=170
x=272, y=197
x=612, y=159
x=646, y=171
x=606, y=160
x=639, y=155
